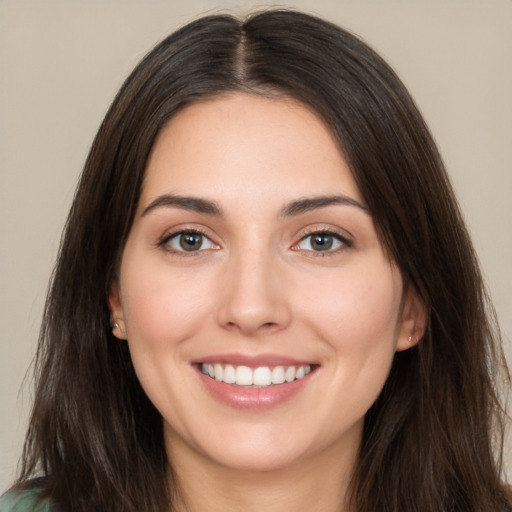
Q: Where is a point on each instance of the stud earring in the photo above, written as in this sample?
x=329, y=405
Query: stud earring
x=116, y=326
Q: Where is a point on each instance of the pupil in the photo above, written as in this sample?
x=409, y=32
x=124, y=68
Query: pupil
x=190, y=241
x=322, y=242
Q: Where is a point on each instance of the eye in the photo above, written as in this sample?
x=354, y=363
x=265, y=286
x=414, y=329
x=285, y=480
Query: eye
x=322, y=242
x=188, y=241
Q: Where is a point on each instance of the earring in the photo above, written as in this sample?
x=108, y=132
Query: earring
x=116, y=326
x=410, y=339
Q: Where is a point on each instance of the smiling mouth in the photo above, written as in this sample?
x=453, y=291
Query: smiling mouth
x=262, y=376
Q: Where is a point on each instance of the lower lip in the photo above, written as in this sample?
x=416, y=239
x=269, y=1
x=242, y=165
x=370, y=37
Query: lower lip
x=254, y=399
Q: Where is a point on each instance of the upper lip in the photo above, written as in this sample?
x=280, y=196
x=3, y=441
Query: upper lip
x=253, y=361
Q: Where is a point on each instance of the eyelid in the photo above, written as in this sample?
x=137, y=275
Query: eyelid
x=163, y=242
x=322, y=230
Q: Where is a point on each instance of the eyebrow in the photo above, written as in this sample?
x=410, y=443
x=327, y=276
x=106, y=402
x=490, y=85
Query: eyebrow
x=208, y=207
x=308, y=204
x=194, y=204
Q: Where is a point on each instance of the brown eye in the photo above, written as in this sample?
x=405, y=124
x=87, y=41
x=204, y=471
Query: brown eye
x=188, y=241
x=322, y=242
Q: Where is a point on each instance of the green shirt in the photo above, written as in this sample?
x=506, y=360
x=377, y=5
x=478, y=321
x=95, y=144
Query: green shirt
x=24, y=501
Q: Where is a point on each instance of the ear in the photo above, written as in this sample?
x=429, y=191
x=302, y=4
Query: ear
x=116, y=312
x=413, y=320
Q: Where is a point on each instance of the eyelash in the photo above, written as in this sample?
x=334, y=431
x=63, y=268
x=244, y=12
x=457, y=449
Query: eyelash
x=343, y=241
x=164, y=242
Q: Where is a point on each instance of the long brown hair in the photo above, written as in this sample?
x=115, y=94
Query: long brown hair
x=432, y=441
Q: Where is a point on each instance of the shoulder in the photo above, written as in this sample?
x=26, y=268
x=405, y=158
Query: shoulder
x=24, y=501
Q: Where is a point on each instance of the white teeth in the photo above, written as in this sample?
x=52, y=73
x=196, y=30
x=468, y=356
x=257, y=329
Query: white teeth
x=229, y=374
x=262, y=376
x=290, y=374
x=243, y=375
x=219, y=371
x=278, y=375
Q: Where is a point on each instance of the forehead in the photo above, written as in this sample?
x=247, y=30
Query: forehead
x=243, y=144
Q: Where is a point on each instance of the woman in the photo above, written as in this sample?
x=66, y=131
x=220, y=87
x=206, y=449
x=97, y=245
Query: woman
x=265, y=297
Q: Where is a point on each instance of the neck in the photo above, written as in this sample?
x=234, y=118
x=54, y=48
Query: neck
x=317, y=484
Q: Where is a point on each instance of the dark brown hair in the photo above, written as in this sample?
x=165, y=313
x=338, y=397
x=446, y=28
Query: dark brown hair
x=432, y=441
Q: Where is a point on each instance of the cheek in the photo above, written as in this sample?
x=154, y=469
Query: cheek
x=163, y=309
x=357, y=320
x=162, y=305
x=356, y=317
x=356, y=310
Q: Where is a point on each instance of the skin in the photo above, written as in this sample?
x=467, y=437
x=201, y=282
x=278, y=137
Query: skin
x=258, y=286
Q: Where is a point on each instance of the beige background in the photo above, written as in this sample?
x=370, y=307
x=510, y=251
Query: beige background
x=61, y=62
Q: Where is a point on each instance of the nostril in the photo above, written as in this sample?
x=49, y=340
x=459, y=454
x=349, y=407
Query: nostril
x=252, y=330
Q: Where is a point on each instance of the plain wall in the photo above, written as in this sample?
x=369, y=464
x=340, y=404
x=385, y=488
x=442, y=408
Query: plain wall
x=61, y=62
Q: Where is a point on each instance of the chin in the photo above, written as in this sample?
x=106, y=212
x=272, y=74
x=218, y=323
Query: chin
x=256, y=460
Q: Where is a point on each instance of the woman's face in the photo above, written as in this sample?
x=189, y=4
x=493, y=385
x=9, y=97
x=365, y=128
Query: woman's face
x=261, y=311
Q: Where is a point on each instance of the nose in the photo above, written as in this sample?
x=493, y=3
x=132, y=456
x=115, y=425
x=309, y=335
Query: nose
x=254, y=297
